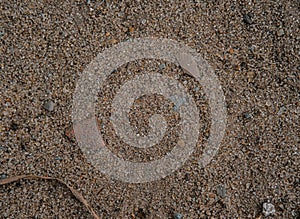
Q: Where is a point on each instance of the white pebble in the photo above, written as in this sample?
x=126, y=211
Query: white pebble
x=268, y=209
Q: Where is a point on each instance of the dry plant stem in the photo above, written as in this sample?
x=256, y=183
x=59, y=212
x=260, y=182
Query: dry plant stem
x=74, y=192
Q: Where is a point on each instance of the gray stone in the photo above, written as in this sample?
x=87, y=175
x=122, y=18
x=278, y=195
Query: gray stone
x=221, y=191
x=177, y=216
x=162, y=66
x=281, y=110
x=3, y=176
x=247, y=115
x=268, y=209
x=49, y=105
x=280, y=32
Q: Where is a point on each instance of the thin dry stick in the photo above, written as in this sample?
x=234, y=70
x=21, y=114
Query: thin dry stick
x=74, y=192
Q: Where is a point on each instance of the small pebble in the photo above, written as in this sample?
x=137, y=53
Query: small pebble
x=162, y=66
x=268, y=103
x=49, y=105
x=281, y=110
x=14, y=126
x=250, y=76
x=131, y=29
x=221, y=191
x=268, y=209
x=248, y=185
x=180, y=143
x=58, y=158
x=247, y=19
x=177, y=216
x=247, y=115
x=143, y=21
x=3, y=176
x=280, y=32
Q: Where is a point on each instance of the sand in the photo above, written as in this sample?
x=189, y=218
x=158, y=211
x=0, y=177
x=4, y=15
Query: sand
x=253, y=47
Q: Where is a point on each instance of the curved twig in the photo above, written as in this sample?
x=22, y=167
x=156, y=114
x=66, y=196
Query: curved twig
x=74, y=192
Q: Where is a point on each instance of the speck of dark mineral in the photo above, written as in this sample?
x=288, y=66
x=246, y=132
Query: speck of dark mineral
x=247, y=19
x=14, y=126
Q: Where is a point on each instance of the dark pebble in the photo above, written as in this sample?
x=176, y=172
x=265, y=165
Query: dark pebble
x=247, y=19
x=14, y=126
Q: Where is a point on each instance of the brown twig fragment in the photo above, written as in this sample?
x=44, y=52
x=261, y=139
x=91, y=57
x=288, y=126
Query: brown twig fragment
x=74, y=192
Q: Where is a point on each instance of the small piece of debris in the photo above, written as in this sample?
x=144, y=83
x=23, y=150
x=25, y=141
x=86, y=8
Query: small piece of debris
x=76, y=193
x=221, y=191
x=131, y=29
x=247, y=19
x=181, y=143
x=49, y=105
x=248, y=185
x=162, y=66
x=3, y=176
x=58, y=158
x=281, y=110
x=211, y=195
x=2, y=147
x=14, y=126
x=247, y=115
x=280, y=32
x=268, y=103
x=250, y=76
x=177, y=216
x=144, y=21
x=268, y=209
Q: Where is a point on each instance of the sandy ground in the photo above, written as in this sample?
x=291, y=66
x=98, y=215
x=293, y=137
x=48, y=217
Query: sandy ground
x=253, y=47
